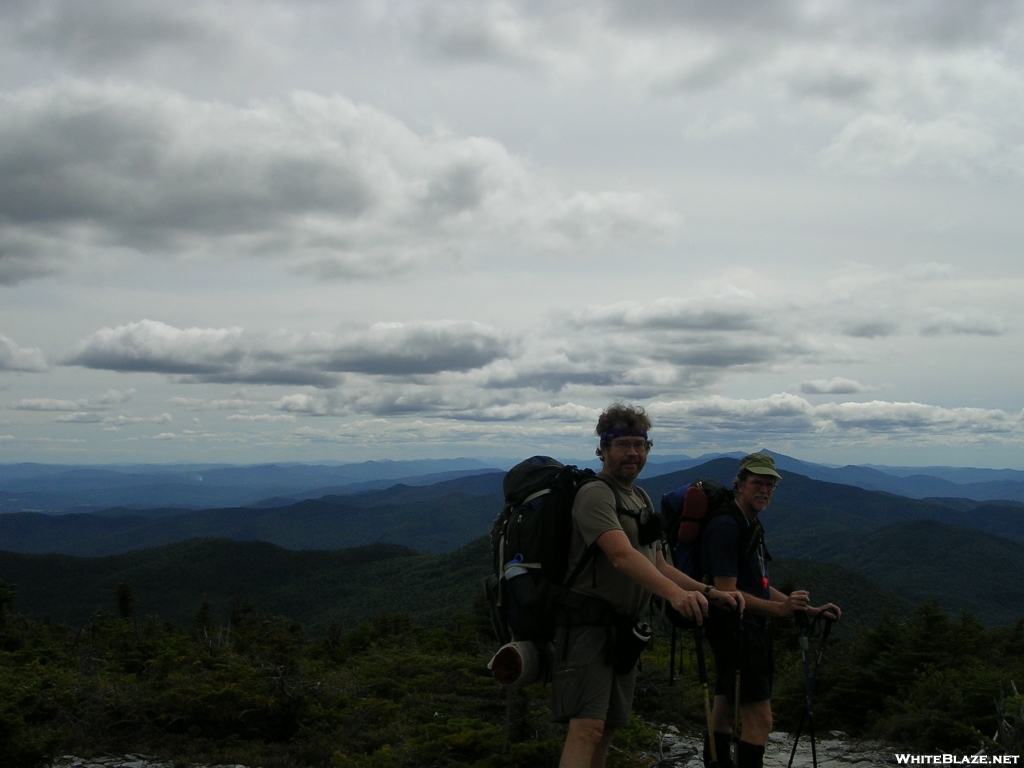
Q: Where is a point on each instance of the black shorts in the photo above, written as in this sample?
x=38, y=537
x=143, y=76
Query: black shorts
x=757, y=662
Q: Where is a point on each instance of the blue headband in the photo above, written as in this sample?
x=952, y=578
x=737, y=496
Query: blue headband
x=611, y=434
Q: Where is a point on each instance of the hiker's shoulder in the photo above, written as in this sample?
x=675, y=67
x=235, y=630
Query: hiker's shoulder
x=724, y=520
x=595, y=491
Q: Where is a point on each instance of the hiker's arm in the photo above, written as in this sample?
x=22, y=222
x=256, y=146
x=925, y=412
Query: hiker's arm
x=779, y=606
x=615, y=544
x=804, y=597
x=831, y=611
x=731, y=600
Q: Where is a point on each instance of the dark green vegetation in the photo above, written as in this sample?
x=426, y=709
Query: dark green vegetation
x=319, y=588
x=257, y=690
x=932, y=683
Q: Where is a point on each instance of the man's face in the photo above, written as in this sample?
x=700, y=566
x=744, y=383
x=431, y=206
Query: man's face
x=623, y=458
x=754, y=493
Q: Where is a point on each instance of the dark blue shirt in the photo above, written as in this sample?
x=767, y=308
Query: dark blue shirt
x=720, y=556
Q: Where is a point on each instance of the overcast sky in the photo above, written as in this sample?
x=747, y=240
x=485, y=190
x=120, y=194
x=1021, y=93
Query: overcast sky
x=251, y=231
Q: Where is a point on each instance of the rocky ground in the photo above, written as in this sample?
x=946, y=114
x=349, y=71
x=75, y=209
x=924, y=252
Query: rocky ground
x=675, y=751
x=834, y=750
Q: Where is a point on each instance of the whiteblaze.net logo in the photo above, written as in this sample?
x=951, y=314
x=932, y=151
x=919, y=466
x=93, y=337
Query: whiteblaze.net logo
x=907, y=759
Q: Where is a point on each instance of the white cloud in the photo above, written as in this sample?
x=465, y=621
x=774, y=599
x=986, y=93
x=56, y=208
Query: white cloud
x=957, y=145
x=786, y=415
x=49, y=404
x=929, y=271
x=268, y=417
x=970, y=322
x=114, y=420
x=731, y=124
x=108, y=398
x=327, y=186
x=15, y=358
x=226, y=404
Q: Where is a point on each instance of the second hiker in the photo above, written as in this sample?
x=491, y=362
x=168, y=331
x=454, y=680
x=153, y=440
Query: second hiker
x=733, y=553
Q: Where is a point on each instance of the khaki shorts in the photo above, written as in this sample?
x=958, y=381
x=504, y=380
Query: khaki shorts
x=584, y=686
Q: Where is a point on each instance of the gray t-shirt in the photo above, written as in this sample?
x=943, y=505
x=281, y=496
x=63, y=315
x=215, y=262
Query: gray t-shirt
x=593, y=513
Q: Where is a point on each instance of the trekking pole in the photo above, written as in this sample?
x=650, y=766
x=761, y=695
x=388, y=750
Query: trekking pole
x=736, y=707
x=800, y=618
x=821, y=650
x=702, y=675
x=672, y=658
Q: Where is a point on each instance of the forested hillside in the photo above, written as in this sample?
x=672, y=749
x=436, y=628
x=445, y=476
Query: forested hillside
x=321, y=588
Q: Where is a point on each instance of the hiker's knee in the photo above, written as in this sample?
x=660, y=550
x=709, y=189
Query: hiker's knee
x=757, y=721
x=721, y=715
x=587, y=731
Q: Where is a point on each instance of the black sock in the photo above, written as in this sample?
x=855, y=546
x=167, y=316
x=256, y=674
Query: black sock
x=722, y=741
x=749, y=755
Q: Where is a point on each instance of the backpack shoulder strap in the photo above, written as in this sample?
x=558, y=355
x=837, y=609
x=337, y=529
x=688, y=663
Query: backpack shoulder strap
x=620, y=508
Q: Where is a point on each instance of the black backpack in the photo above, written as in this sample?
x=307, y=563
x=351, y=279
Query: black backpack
x=688, y=509
x=530, y=546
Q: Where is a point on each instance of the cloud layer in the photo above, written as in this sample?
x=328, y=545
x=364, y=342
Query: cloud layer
x=327, y=186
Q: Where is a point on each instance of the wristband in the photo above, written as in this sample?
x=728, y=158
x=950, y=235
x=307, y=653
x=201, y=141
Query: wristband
x=707, y=590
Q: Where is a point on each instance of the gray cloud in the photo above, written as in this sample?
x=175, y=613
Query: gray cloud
x=870, y=329
x=669, y=314
x=329, y=187
x=725, y=39
x=420, y=348
x=230, y=355
x=112, y=32
x=835, y=386
x=720, y=355
x=155, y=347
x=15, y=358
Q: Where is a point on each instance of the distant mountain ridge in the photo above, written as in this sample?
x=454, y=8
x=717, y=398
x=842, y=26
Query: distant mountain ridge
x=30, y=487
x=936, y=482
x=905, y=544
x=60, y=489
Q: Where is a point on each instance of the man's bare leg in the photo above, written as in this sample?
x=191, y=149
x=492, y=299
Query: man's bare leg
x=586, y=744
